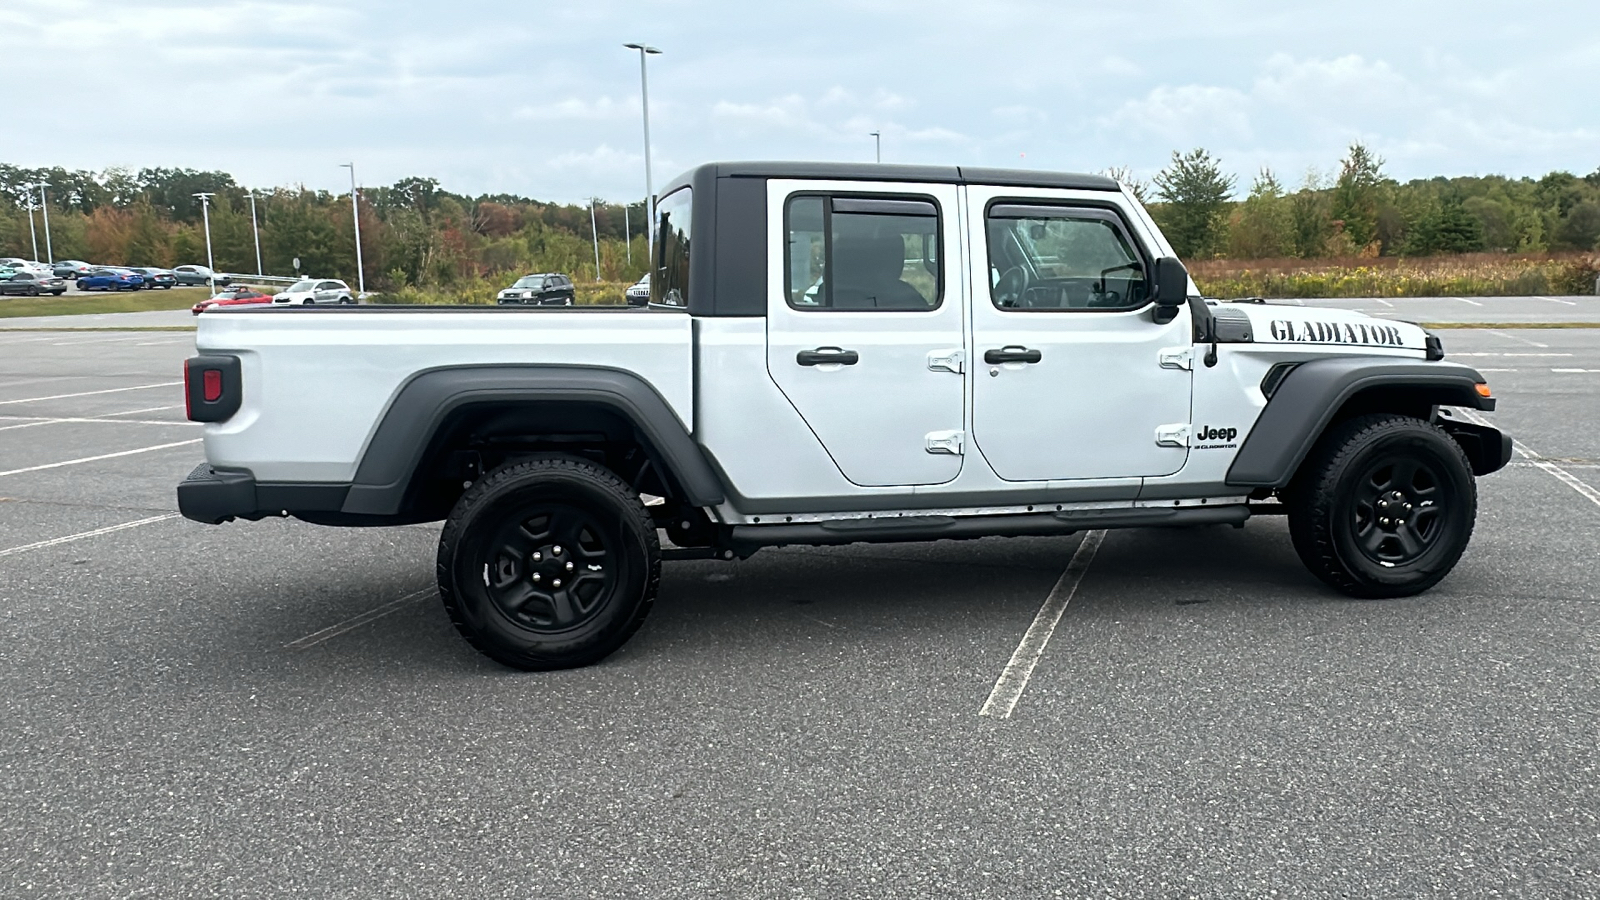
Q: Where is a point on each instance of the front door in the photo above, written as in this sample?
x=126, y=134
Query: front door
x=1073, y=377
x=865, y=324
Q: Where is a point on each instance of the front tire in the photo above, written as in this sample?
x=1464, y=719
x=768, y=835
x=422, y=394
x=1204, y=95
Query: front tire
x=548, y=564
x=1383, y=506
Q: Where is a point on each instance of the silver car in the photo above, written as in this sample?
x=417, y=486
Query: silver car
x=315, y=291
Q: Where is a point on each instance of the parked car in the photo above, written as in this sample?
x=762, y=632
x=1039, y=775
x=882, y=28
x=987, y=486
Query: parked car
x=234, y=297
x=638, y=294
x=70, y=268
x=27, y=265
x=29, y=284
x=156, y=278
x=199, y=275
x=544, y=289
x=312, y=291
x=109, y=279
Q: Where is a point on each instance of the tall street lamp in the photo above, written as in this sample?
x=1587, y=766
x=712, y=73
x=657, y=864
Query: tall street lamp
x=644, y=92
x=34, y=235
x=877, y=146
x=355, y=212
x=257, y=229
x=44, y=207
x=205, y=213
x=596, y=229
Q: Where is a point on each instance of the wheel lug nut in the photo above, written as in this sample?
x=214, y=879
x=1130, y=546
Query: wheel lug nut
x=537, y=577
x=556, y=583
x=537, y=556
x=569, y=567
x=556, y=550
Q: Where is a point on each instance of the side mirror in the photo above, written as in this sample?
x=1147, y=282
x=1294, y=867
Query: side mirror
x=1172, y=288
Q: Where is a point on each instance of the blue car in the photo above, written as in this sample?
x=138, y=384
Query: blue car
x=110, y=280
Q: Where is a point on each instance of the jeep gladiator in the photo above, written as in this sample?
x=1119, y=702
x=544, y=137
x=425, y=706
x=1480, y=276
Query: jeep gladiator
x=849, y=353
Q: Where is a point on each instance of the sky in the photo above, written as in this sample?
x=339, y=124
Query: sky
x=541, y=99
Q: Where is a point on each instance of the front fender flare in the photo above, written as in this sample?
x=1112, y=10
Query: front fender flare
x=1308, y=398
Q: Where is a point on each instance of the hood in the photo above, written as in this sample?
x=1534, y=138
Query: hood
x=1313, y=325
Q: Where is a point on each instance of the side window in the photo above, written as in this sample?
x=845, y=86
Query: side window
x=1056, y=258
x=862, y=253
x=674, y=213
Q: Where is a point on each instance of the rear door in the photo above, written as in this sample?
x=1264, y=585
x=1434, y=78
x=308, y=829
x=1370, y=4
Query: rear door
x=1074, y=378
x=865, y=324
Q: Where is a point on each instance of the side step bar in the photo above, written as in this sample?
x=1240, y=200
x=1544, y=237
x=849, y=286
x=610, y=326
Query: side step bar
x=934, y=528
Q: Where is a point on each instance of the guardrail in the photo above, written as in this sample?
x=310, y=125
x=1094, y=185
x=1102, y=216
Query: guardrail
x=261, y=279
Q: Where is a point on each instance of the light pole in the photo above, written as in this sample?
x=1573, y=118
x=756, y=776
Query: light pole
x=644, y=92
x=877, y=146
x=44, y=207
x=596, y=229
x=205, y=213
x=627, y=234
x=355, y=213
x=31, y=232
x=256, y=229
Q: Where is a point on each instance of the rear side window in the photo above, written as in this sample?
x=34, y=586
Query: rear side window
x=1057, y=258
x=674, y=213
x=862, y=253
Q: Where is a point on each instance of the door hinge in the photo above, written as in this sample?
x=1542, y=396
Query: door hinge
x=948, y=361
x=1177, y=358
x=1176, y=435
x=945, y=442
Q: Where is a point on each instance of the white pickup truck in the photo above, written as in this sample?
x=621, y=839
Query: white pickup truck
x=832, y=354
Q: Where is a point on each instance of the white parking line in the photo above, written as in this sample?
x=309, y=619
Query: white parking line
x=138, y=387
x=1465, y=300
x=129, y=412
x=332, y=631
x=1453, y=355
x=33, y=421
x=73, y=462
x=1576, y=371
x=1014, y=678
x=1514, y=337
x=86, y=534
x=1562, y=475
x=1557, y=300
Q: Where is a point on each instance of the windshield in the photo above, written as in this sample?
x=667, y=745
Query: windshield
x=529, y=281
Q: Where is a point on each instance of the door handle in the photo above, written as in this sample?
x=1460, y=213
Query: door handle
x=1010, y=354
x=824, y=356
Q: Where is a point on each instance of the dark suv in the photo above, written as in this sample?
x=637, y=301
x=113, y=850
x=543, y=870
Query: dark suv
x=539, y=290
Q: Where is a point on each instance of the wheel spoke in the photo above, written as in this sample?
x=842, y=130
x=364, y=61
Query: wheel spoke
x=1411, y=544
x=1371, y=537
x=515, y=597
x=561, y=607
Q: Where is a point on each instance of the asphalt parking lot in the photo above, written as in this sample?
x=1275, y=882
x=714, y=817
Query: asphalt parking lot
x=274, y=708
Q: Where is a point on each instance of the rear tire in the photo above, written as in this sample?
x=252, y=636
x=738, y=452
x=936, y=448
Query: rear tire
x=1383, y=506
x=548, y=564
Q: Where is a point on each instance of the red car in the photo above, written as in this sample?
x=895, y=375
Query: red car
x=234, y=297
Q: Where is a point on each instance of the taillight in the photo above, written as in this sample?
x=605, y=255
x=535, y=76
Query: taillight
x=212, y=388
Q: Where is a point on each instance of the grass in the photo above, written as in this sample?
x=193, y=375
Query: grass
x=95, y=304
x=1465, y=275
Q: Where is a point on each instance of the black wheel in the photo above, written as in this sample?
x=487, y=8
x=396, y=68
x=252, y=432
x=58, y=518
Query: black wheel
x=1383, y=506
x=548, y=564
x=347, y=301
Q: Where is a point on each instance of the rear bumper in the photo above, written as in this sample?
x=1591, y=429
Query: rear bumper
x=213, y=497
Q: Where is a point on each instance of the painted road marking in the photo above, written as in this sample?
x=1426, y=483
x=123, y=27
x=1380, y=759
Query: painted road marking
x=1562, y=475
x=86, y=534
x=73, y=462
x=1014, y=678
x=1575, y=371
x=1558, y=300
x=332, y=631
x=1509, y=354
x=141, y=387
x=1465, y=300
x=32, y=421
x=1513, y=337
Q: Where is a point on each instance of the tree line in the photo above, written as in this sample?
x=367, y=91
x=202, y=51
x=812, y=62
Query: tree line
x=416, y=234
x=1361, y=212
x=413, y=233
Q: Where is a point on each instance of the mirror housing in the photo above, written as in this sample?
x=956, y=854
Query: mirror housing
x=1172, y=288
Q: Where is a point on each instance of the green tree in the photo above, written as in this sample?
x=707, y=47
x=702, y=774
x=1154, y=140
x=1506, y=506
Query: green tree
x=1309, y=219
x=1194, y=203
x=1264, y=224
x=1358, y=194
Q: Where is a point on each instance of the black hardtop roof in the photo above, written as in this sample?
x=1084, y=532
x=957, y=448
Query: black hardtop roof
x=892, y=172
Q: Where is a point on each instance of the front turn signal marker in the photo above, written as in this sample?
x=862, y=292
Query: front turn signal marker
x=1483, y=390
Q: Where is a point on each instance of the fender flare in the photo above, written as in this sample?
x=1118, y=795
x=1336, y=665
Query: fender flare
x=1307, y=399
x=423, y=404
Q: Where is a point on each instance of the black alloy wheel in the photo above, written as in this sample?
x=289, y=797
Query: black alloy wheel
x=550, y=563
x=1383, y=506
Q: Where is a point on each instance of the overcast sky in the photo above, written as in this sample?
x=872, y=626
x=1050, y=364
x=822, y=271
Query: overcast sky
x=540, y=98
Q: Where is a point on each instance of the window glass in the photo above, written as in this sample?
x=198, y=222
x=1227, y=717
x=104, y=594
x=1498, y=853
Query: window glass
x=862, y=253
x=674, y=213
x=1055, y=258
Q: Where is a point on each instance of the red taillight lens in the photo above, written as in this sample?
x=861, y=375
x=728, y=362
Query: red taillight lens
x=213, y=385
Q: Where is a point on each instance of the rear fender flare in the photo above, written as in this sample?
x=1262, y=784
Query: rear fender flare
x=396, y=447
